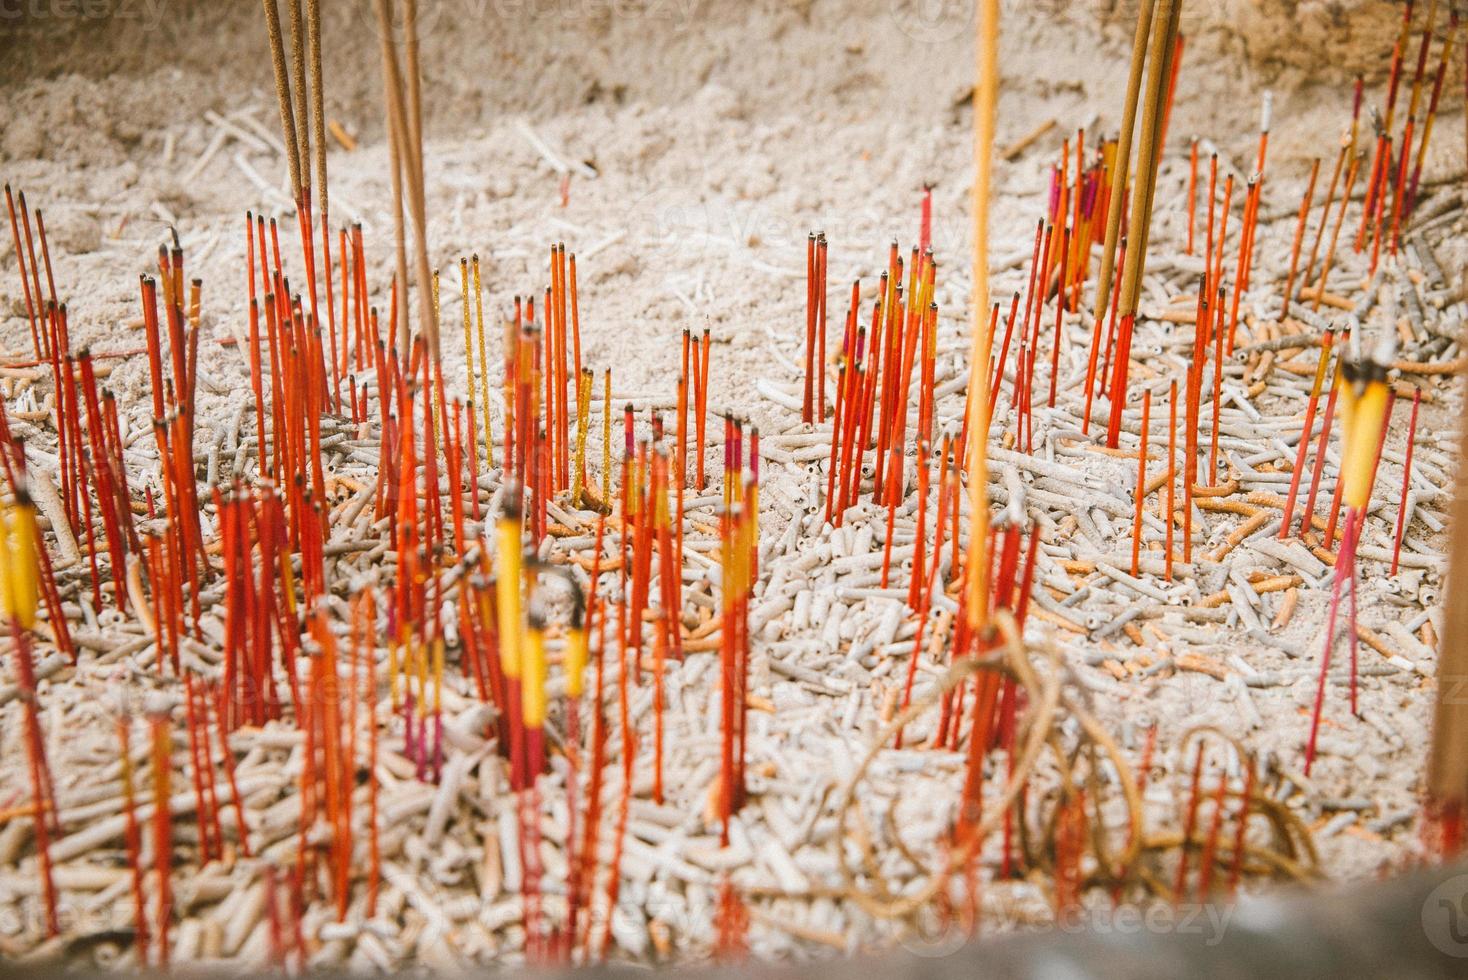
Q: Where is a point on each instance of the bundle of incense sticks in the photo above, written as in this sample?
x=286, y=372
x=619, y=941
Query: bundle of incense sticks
x=19, y=597
x=1366, y=411
x=739, y=556
x=813, y=405
x=267, y=546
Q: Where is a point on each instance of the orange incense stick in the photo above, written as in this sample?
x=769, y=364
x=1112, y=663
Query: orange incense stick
x=1406, y=481
x=134, y=839
x=1189, y=822
x=1289, y=289
x=162, y=829
x=1217, y=389
x=1335, y=235
x=1141, y=493
x=1192, y=193
x=1335, y=177
x=1167, y=519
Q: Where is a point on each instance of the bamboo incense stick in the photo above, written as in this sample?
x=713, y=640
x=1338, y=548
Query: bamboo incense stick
x=1406, y=482
x=986, y=97
x=1141, y=493
x=1446, y=790
x=1141, y=214
x=1146, y=10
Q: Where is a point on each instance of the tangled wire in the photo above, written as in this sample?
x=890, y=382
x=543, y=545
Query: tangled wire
x=1078, y=824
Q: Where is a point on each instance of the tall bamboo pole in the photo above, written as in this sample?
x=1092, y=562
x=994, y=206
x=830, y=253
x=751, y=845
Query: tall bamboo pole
x=986, y=97
x=1121, y=172
x=1447, y=763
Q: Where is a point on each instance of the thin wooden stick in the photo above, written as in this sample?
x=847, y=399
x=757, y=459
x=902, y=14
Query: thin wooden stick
x=1141, y=215
x=1168, y=518
x=1192, y=193
x=1406, y=481
x=1446, y=788
x=1121, y=173
x=1141, y=493
x=133, y=837
x=162, y=829
x=1289, y=289
x=1335, y=235
x=986, y=98
x=282, y=92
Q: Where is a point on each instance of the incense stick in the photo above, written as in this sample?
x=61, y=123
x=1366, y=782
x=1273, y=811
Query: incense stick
x=986, y=97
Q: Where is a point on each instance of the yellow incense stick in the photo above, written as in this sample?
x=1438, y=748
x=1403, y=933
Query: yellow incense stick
x=483, y=367
x=576, y=653
x=606, y=439
x=23, y=569
x=583, y=419
x=10, y=560
x=986, y=96
x=1363, y=395
x=507, y=585
x=532, y=686
x=469, y=359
